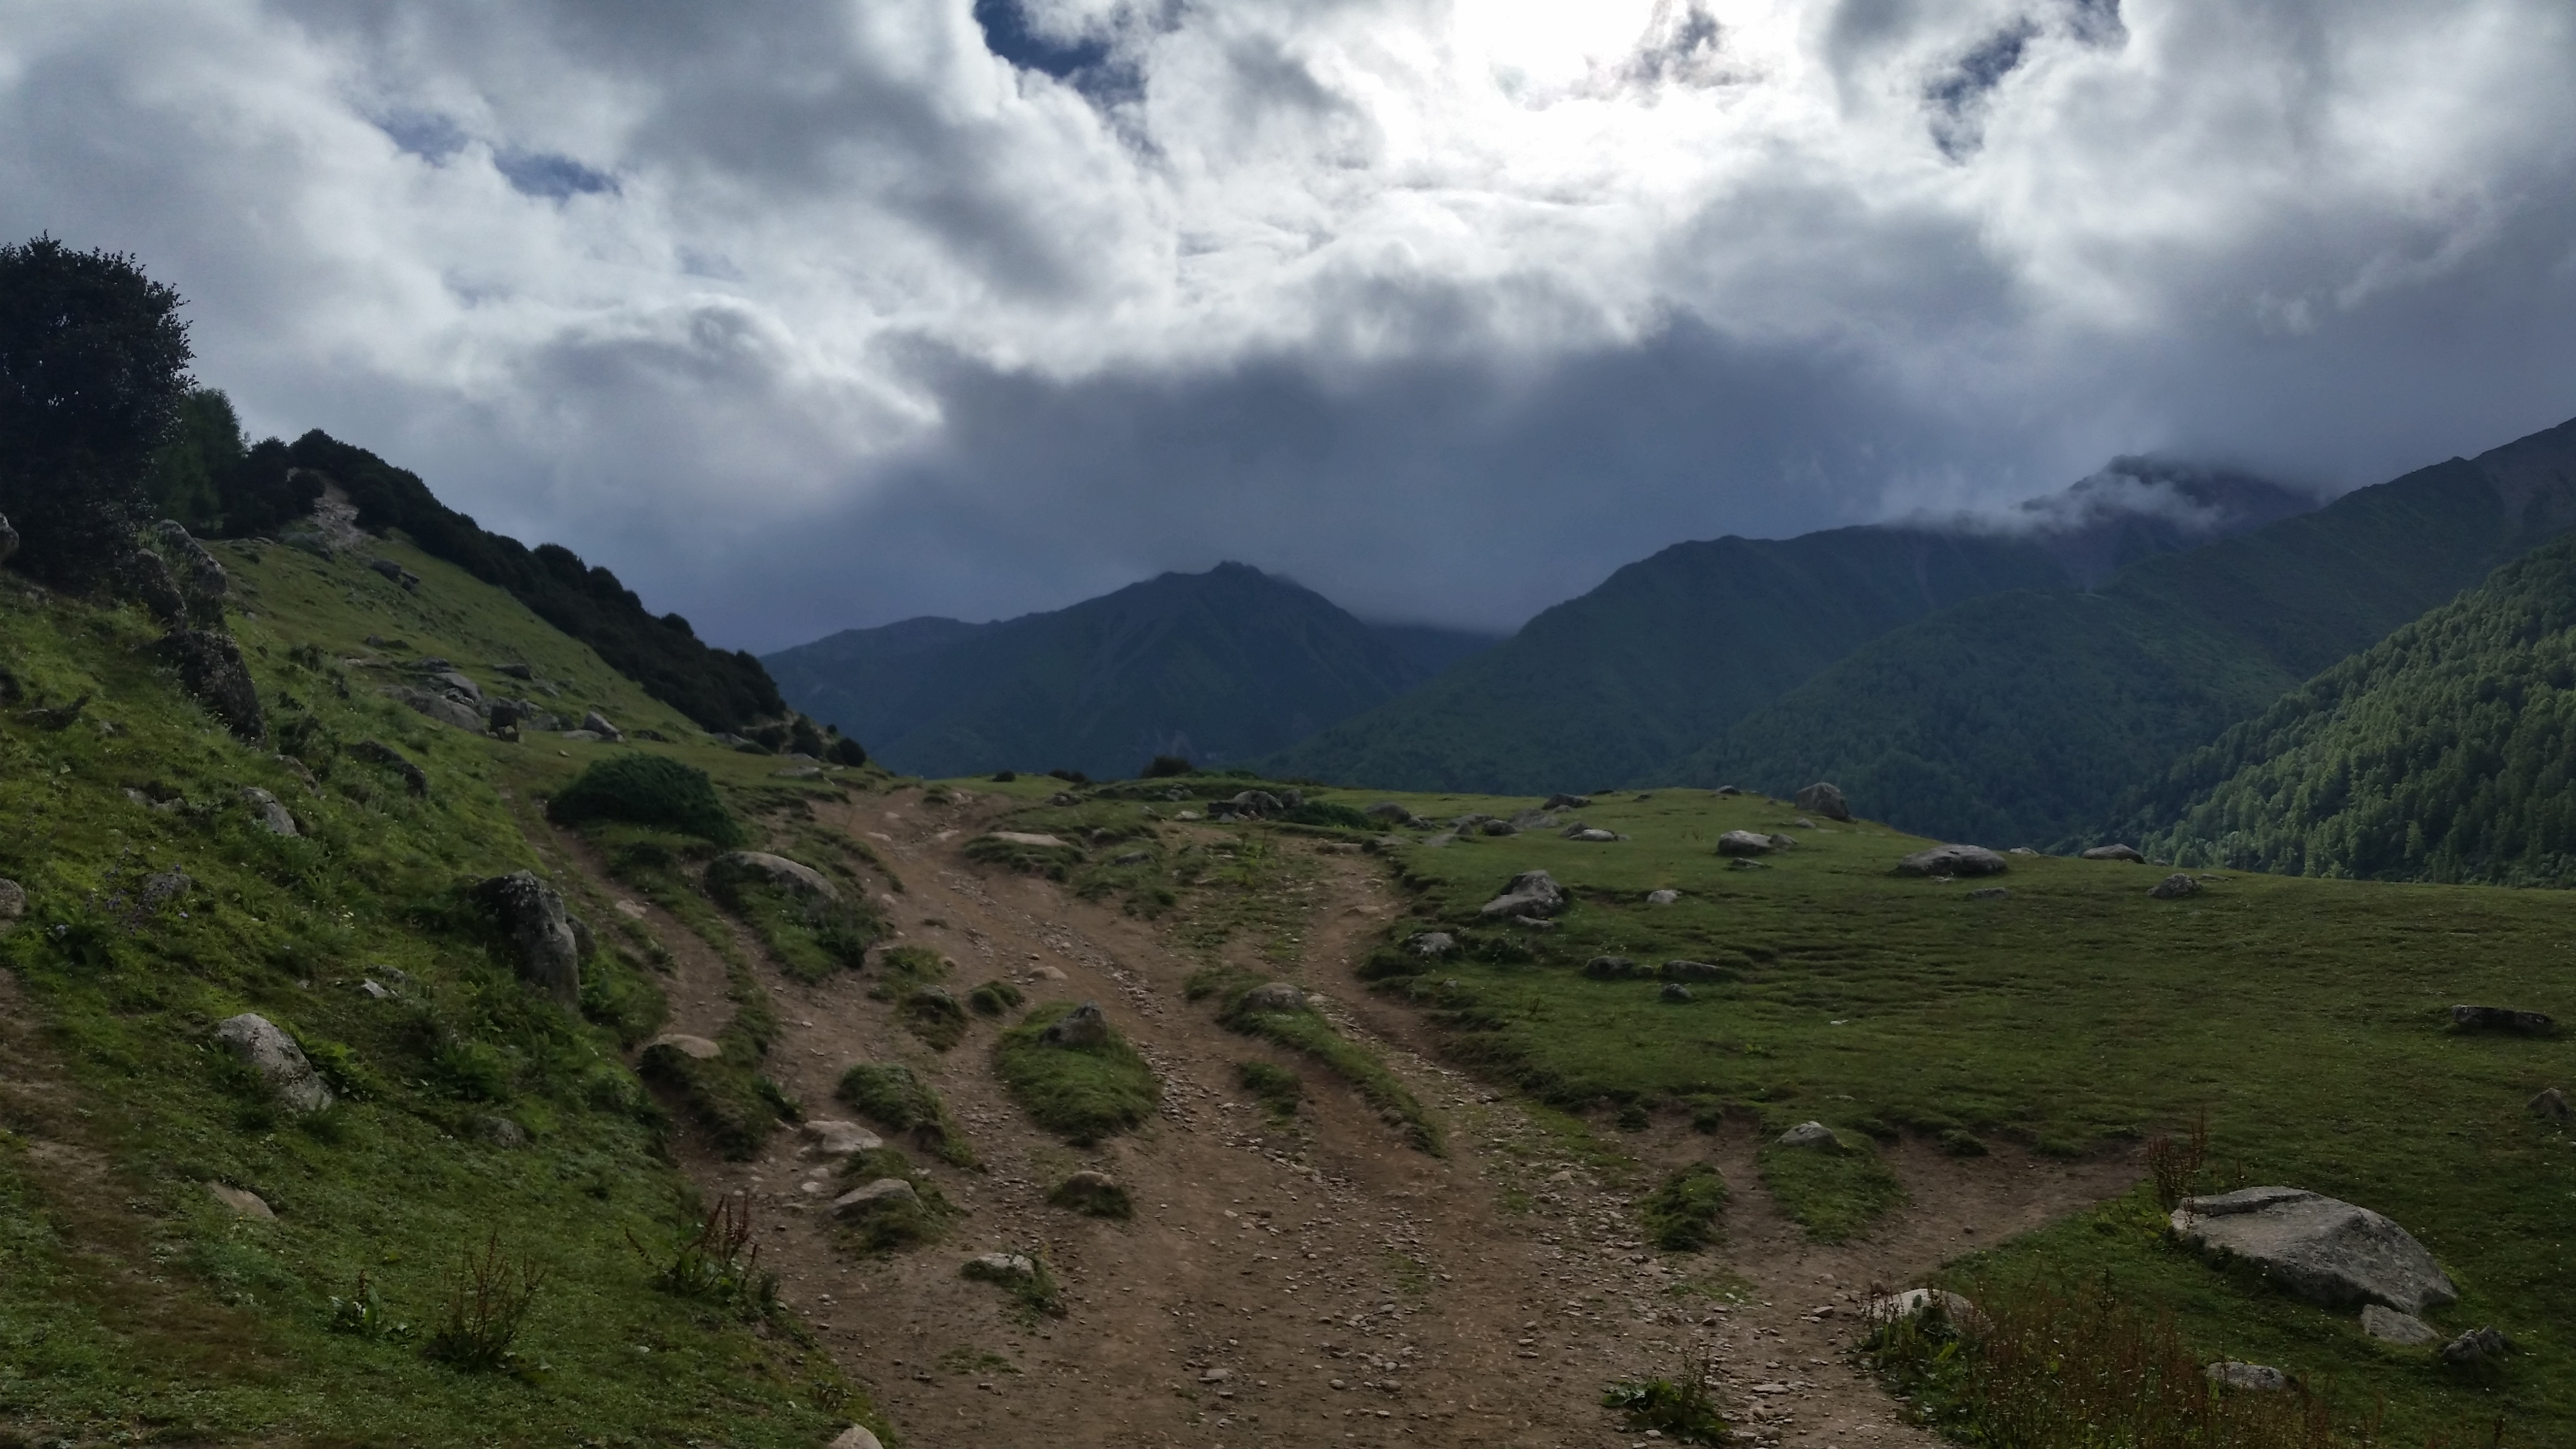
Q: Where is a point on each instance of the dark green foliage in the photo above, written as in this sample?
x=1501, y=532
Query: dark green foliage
x=1274, y=1087
x=1163, y=767
x=720, y=690
x=2031, y=718
x=727, y=1095
x=2442, y=753
x=719, y=1263
x=1832, y=1194
x=936, y=1017
x=1095, y=1196
x=1680, y=1215
x=994, y=998
x=93, y=367
x=811, y=935
x=643, y=789
x=902, y=970
x=1680, y=1409
x=188, y=472
x=1081, y=1094
x=846, y=751
x=891, y=1096
x=264, y=491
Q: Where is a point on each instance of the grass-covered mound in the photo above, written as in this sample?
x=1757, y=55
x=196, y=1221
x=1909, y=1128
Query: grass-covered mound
x=896, y=1098
x=641, y=789
x=810, y=934
x=1832, y=1192
x=1080, y=1093
x=1303, y=1029
x=477, y=1127
x=1681, y=1214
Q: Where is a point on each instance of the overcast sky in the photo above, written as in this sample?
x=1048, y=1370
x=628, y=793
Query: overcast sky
x=803, y=315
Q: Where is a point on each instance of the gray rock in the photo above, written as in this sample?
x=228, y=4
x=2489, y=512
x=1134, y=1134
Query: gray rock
x=2256, y=1377
x=779, y=871
x=500, y=1131
x=1610, y=968
x=1803, y=823
x=2318, y=1248
x=1953, y=860
x=2477, y=1346
x=1432, y=943
x=1915, y=1302
x=201, y=580
x=883, y=1193
x=1745, y=862
x=8, y=540
x=458, y=686
x=267, y=813
x=2128, y=853
x=1812, y=1135
x=241, y=1200
x=1275, y=996
x=1783, y=842
x=438, y=707
x=2021, y=850
x=1388, y=810
x=695, y=1048
x=1565, y=802
x=1531, y=893
x=582, y=736
x=1675, y=992
x=598, y=724
x=1083, y=1026
x=1823, y=799
x=1991, y=893
x=2390, y=1326
x=2502, y=1018
x=1744, y=842
x=2551, y=1104
x=1662, y=898
x=164, y=886
x=1255, y=804
x=1595, y=836
x=1444, y=838
x=146, y=579
x=833, y=1138
x=1001, y=1267
x=516, y=671
x=855, y=1437
x=375, y=991
x=211, y=669
x=1501, y=827
x=275, y=1056
x=13, y=905
x=532, y=913
x=2174, y=887
x=1131, y=857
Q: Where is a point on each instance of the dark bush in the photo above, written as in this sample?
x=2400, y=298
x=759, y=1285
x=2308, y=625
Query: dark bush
x=647, y=790
x=1071, y=777
x=847, y=751
x=1165, y=766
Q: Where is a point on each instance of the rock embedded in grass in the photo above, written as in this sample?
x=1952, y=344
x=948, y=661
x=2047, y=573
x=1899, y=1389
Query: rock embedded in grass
x=884, y=1194
x=268, y=813
x=277, y=1059
x=2551, y=1105
x=1823, y=799
x=13, y=904
x=1531, y=893
x=2318, y=1248
x=2174, y=887
x=1431, y=943
x=2504, y=1019
x=834, y=1138
x=2390, y=1326
x=541, y=936
x=1084, y=1026
x=1953, y=860
x=2127, y=853
x=1273, y=996
x=1675, y=993
x=695, y=1048
x=1744, y=842
x=2477, y=1346
x=1662, y=897
x=777, y=870
x=1814, y=1135
x=2256, y=1377
x=1093, y=1194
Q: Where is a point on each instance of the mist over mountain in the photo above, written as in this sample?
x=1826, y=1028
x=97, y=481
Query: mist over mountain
x=1220, y=667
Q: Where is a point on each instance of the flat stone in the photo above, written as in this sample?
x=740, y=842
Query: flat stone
x=2504, y=1019
x=248, y=1204
x=780, y=871
x=1811, y=1134
x=2390, y=1326
x=1275, y=996
x=1023, y=837
x=2174, y=887
x=882, y=1193
x=267, y=813
x=2127, y=853
x=1744, y=842
x=1084, y=1026
x=1432, y=943
x=1662, y=898
x=1991, y=893
x=834, y=1138
x=631, y=910
x=696, y=1048
x=2261, y=1378
x=2326, y=1251
x=1952, y=860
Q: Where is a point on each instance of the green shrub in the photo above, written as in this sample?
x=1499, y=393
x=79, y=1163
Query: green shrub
x=1680, y=1408
x=1681, y=1214
x=995, y=998
x=903, y=970
x=1079, y=1093
x=1165, y=766
x=936, y=1017
x=642, y=789
x=891, y=1096
x=1273, y=1087
x=738, y=1106
x=1095, y=1195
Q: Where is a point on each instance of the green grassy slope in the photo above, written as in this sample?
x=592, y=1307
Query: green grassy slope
x=1221, y=667
x=2441, y=753
x=2029, y=717
x=2307, y=1017
x=1607, y=687
x=139, y=1307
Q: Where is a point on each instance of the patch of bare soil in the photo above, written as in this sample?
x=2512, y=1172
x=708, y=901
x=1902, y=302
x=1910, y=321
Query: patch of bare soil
x=1298, y=1283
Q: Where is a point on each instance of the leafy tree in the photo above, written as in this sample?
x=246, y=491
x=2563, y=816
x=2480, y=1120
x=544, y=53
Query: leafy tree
x=187, y=477
x=93, y=369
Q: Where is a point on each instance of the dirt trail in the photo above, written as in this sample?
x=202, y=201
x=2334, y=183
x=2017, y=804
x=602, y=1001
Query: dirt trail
x=1317, y=1282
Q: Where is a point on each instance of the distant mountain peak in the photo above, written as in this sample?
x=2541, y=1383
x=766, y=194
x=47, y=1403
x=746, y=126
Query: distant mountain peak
x=2134, y=508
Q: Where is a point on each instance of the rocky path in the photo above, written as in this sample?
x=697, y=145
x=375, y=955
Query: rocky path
x=1308, y=1282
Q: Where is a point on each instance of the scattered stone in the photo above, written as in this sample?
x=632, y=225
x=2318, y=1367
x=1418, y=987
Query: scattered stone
x=1744, y=842
x=1953, y=860
x=275, y=1056
x=580, y=736
x=457, y=686
x=164, y=886
x=1610, y=968
x=1216, y=1376
x=1991, y=893
x=1783, y=842
x=1811, y=1134
x=1532, y=893
x=1566, y=802
x=2550, y=1104
x=1083, y=1026
x=265, y=810
x=2318, y=1248
x=884, y=1192
x=1275, y=996
x=1915, y=1302
x=240, y=1200
x=1674, y=991
x=532, y=912
x=1095, y=1194
x=2502, y=1018
x=2477, y=1346
x=1823, y=799
x=1009, y=1268
x=598, y=724
x=1803, y=823
x=500, y=1131
x=437, y=706
x=2390, y=1326
x=2260, y=1378
x=1131, y=857
x=375, y=991
x=779, y=871
x=1499, y=827
x=834, y=1138
x=695, y=1048
x=1033, y=841
x=1663, y=897
x=2174, y=887
x=855, y=1437
x=1745, y=863
x=2128, y=853
x=211, y=669
x=1432, y=943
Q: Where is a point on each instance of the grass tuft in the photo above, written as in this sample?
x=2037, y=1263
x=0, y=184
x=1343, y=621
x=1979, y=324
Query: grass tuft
x=1081, y=1094
x=1274, y=1087
x=1306, y=1031
x=1681, y=1214
x=1831, y=1194
x=898, y=1100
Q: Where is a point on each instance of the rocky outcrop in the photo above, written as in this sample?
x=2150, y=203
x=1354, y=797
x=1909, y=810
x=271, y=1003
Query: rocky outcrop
x=437, y=706
x=8, y=540
x=1432, y=943
x=201, y=581
x=1823, y=799
x=2318, y=1248
x=211, y=669
x=1744, y=842
x=1084, y=1026
x=2174, y=887
x=833, y=1138
x=267, y=813
x=598, y=724
x=377, y=752
x=1953, y=860
x=531, y=913
x=1532, y=893
x=277, y=1059
x=2390, y=1326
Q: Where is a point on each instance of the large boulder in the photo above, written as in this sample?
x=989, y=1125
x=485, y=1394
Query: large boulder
x=2550, y=1106
x=598, y=724
x=442, y=708
x=1531, y=893
x=1823, y=799
x=2504, y=1019
x=1744, y=842
x=2318, y=1248
x=2127, y=853
x=2174, y=887
x=2390, y=1326
x=377, y=752
x=1275, y=996
x=145, y=578
x=201, y=580
x=278, y=1060
x=833, y=1138
x=1815, y=1136
x=874, y=1197
x=1953, y=860
x=779, y=871
x=1084, y=1026
x=210, y=668
x=541, y=935
x=267, y=812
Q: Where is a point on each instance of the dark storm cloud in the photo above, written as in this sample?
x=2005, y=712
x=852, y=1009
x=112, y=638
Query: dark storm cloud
x=803, y=314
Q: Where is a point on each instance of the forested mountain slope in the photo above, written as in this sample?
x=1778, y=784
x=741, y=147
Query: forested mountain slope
x=2030, y=717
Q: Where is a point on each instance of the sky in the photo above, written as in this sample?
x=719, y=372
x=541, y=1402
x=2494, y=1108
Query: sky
x=805, y=315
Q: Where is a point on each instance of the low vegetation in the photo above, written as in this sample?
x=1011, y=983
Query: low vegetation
x=649, y=790
x=1079, y=1093
x=1304, y=1030
x=1681, y=1214
x=809, y=935
x=1832, y=1194
x=1274, y=1087
x=895, y=1098
x=1680, y=1408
